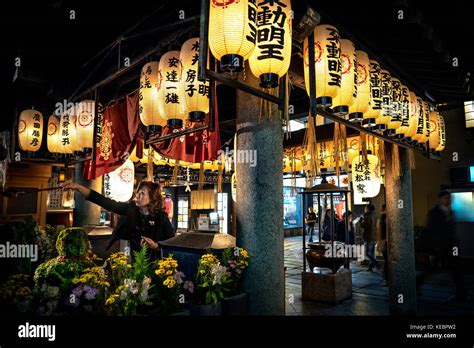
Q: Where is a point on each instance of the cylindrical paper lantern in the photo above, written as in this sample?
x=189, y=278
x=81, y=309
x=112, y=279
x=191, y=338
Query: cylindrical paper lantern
x=442, y=138
x=151, y=112
x=195, y=92
x=271, y=57
x=348, y=92
x=420, y=131
x=395, y=120
x=360, y=108
x=54, y=137
x=365, y=176
x=30, y=130
x=387, y=97
x=120, y=182
x=232, y=32
x=324, y=154
x=375, y=104
x=405, y=112
x=327, y=63
x=435, y=132
x=85, y=114
x=413, y=111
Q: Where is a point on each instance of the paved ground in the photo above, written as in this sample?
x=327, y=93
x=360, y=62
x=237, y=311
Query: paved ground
x=370, y=295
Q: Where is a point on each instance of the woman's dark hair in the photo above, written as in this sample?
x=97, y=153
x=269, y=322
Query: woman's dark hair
x=371, y=207
x=154, y=191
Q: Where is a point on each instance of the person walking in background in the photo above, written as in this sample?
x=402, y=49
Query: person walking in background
x=382, y=240
x=328, y=225
x=368, y=225
x=341, y=229
x=310, y=220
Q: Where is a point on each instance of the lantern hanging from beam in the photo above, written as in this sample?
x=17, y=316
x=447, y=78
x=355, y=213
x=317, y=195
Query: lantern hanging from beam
x=195, y=92
x=66, y=131
x=324, y=152
x=118, y=185
x=360, y=108
x=271, y=57
x=151, y=113
x=232, y=32
x=30, y=130
x=413, y=111
x=395, y=120
x=420, y=132
x=387, y=97
x=53, y=140
x=85, y=113
x=435, y=131
x=366, y=176
x=402, y=130
x=348, y=92
x=442, y=134
x=170, y=93
x=352, y=148
x=327, y=55
x=375, y=104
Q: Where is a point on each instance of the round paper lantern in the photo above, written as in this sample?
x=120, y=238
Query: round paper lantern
x=375, y=104
x=434, y=139
x=271, y=57
x=170, y=93
x=348, y=92
x=119, y=183
x=195, y=92
x=365, y=176
x=30, y=130
x=413, y=111
x=54, y=139
x=402, y=130
x=68, y=136
x=395, y=120
x=327, y=55
x=151, y=114
x=232, y=32
x=360, y=108
x=387, y=97
x=85, y=114
x=442, y=134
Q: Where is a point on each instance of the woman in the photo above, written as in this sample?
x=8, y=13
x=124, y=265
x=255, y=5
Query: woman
x=328, y=225
x=341, y=229
x=142, y=221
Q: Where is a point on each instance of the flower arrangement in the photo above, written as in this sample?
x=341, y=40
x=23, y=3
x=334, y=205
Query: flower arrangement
x=236, y=260
x=212, y=280
x=169, y=285
x=17, y=292
x=46, y=237
x=90, y=290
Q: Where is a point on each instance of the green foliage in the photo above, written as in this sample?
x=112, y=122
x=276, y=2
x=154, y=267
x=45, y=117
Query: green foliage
x=72, y=242
x=142, y=266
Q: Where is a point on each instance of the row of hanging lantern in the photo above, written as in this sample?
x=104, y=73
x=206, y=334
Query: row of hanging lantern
x=354, y=86
x=170, y=92
x=258, y=32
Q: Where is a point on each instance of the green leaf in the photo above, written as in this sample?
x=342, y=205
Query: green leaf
x=208, y=297
x=214, y=297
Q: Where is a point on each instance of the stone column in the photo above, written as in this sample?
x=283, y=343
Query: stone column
x=401, y=249
x=259, y=203
x=85, y=212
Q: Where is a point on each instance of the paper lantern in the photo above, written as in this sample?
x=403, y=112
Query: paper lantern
x=360, y=108
x=442, y=134
x=327, y=63
x=232, y=32
x=151, y=113
x=53, y=139
x=421, y=132
x=402, y=130
x=170, y=93
x=324, y=154
x=85, y=115
x=67, y=131
x=291, y=166
x=271, y=57
x=365, y=176
x=395, y=120
x=30, y=130
x=348, y=92
x=67, y=199
x=413, y=111
x=352, y=148
x=195, y=92
x=387, y=97
x=118, y=185
x=435, y=133
x=374, y=111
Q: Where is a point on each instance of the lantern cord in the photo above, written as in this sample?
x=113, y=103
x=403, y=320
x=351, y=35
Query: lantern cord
x=149, y=165
x=310, y=148
x=381, y=154
x=201, y=177
x=363, y=147
x=395, y=163
x=344, y=148
x=411, y=159
x=174, y=178
x=336, y=151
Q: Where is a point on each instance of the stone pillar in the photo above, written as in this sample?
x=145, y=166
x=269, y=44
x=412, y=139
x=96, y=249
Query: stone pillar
x=259, y=204
x=85, y=212
x=401, y=248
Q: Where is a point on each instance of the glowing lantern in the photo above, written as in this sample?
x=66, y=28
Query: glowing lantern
x=271, y=57
x=387, y=97
x=396, y=111
x=413, y=111
x=348, y=92
x=435, y=132
x=352, y=148
x=324, y=154
x=232, y=32
x=442, y=137
x=360, y=108
x=170, y=93
x=327, y=63
x=30, y=130
x=427, y=122
x=151, y=115
x=85, y=114
x=195, y=92
x=375, y=105
x=53, y=139
x=402, y=130
x=420, y=133
x=365, y=176
x=67, y=131
x=67, y=199
x=118, y=185
x=292, y=165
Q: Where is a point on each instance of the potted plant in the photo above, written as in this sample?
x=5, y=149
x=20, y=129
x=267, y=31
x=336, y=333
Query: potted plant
x=16, y=294
x=236, y=260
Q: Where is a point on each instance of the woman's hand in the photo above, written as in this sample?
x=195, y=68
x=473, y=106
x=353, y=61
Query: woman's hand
x=69, y=185
x=151, y=243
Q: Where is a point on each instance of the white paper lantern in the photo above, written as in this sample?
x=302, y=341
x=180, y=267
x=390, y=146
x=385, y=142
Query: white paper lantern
x=118, y=185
